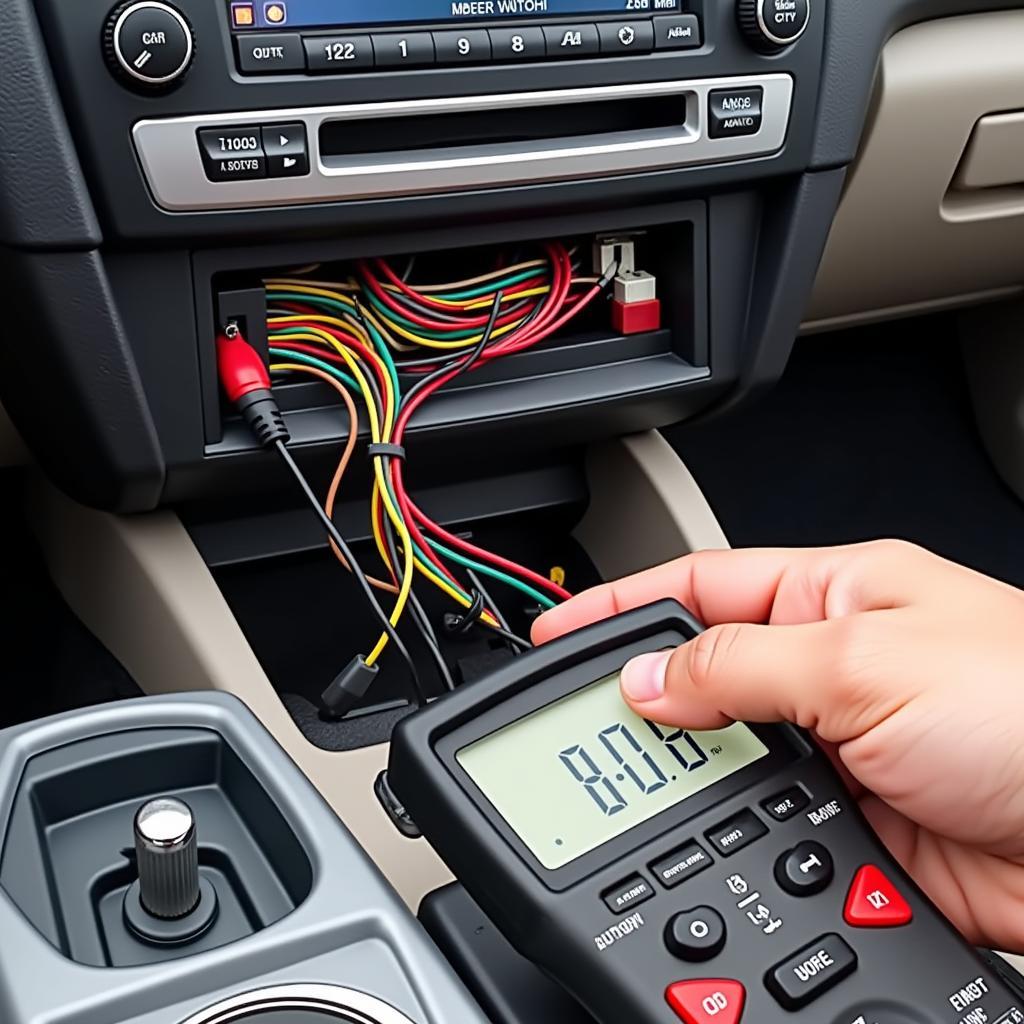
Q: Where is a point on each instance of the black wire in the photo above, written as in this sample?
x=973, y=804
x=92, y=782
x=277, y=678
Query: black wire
x=467, y=361
x=346, y=551
x=491, y=603
x=511, y=638
x=420, y=616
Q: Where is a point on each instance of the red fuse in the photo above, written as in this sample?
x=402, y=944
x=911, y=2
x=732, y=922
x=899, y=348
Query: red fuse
x=635, y=306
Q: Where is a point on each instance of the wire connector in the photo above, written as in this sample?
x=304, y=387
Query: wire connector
x=348, y=687
x=246, y=382
x=636, y=308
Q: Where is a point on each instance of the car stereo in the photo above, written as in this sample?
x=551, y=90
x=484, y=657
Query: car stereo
x=271, y=36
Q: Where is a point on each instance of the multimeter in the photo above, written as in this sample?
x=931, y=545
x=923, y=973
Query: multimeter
x=661, y=875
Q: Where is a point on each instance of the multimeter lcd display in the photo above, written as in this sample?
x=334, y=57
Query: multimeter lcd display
x=585, y=769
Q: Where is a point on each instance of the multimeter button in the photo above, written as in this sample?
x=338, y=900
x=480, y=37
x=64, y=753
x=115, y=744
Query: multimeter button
x=786, y=804
x=695, y=935
x=628, y=894
x=874, y=902
x=811, y=972
x=805, y=870
x=681, y=864
x=708, y=1001
x=739, y=831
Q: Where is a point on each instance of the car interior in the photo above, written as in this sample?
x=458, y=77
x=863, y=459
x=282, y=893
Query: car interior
x=409, y=319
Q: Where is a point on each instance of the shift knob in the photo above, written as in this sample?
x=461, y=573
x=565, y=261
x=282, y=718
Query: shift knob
x=167, y=857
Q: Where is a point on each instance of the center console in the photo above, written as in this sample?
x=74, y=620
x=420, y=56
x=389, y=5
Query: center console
x=164, y=862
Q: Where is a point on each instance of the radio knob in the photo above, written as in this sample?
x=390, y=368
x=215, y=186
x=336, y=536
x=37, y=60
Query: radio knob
x=772, y=25
x=148, y=44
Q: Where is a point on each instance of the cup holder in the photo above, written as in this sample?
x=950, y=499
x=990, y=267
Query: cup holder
x=69, y=865
x=301, y=1004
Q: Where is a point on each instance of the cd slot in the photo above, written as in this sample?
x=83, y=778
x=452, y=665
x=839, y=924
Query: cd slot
x=340, y=139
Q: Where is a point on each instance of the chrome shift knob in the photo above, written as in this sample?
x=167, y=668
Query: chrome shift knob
x=167, y=857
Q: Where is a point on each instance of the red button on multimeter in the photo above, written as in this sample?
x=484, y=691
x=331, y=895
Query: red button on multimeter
x=709, y=1001
x=874, y=902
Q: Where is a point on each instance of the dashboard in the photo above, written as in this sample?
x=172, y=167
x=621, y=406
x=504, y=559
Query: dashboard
x=162, y=159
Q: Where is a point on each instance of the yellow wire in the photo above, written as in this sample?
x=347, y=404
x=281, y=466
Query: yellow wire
x=425, y=288
x=380, y=490
x=324, y=337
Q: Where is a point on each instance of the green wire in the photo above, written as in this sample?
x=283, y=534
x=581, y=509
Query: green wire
x=497, y=574
x=499, y=285
x=379, y=343
x=301, y=357
x=543, y=600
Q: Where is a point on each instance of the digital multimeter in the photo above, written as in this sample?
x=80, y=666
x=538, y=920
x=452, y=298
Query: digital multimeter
x=661, y=875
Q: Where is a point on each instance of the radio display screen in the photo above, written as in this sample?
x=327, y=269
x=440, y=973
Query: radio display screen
x=278, y=14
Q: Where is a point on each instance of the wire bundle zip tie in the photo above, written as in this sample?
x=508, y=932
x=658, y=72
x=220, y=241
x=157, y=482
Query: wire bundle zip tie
x=385, y=451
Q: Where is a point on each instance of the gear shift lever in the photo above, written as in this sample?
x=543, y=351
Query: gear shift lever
x=167, y=858
x=170, y=902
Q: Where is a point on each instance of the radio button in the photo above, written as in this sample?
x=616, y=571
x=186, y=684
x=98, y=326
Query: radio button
x=395, y=50
x=232, y=154
x=338, y=54
x=734, y=112
x=677, y=32
x=472, y=46
x=624, y=37
x=270, y=53
x=525, y=43
x=286, y=151
x=571, y=40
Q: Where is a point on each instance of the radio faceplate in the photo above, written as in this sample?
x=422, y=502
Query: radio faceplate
x=719, y=119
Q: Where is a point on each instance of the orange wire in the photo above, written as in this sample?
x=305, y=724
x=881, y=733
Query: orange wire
x=346, y=458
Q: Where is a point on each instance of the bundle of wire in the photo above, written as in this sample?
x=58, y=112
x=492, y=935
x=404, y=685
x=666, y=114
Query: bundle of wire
x=367, y=338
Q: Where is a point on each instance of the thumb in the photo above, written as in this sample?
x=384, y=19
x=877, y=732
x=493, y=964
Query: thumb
x=803, y=674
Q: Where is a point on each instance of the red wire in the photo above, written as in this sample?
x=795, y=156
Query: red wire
x=428, y=300
x=547, y=322
x=436, y=325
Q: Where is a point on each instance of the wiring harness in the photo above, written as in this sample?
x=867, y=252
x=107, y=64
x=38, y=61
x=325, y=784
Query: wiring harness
x=389, y=346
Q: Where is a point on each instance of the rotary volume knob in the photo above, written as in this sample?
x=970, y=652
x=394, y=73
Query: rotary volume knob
x=167, y=857
x=148, y=44
x=772, y=25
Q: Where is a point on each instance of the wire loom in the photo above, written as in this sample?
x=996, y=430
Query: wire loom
x=365, y=337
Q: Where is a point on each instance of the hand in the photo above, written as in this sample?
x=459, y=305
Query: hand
x=908, y=668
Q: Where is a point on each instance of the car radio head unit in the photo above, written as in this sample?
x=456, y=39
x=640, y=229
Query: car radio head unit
x=328, y=14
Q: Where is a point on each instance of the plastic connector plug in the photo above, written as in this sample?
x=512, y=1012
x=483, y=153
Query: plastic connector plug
x=349, y=687
x=246, y=382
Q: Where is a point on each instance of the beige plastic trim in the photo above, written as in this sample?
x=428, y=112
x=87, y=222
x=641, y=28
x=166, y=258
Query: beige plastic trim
x=142, y=587
x=903, y=236
x=995, y=154
x=645, y=507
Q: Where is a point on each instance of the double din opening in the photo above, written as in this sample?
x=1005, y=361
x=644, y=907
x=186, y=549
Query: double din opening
x=602, y=354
